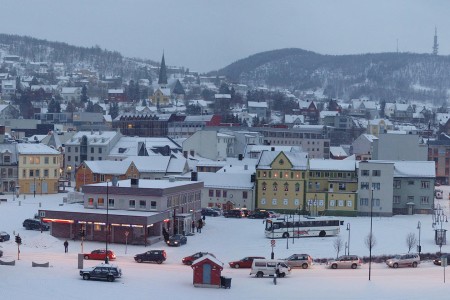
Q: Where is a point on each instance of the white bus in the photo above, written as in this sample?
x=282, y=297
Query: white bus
x=308, y=227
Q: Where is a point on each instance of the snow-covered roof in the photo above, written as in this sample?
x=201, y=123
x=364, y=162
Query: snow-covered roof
x=207, y=256
x=147, y=164
x=414, y=169
x=328, y=113
x=332, y=165
x=289, y=119
x=222, y=96
x=108, y=167
x=94, y=137
x=338, y=151
x=262, y=104
x=29, y=149
x=115, y=91
x=225, y=180
x=299, y=160
x=148, y=183
x=370, y=137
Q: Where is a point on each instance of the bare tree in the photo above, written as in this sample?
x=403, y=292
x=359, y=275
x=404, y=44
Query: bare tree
x=370, y=241
x=411, y=241
x=337, y=244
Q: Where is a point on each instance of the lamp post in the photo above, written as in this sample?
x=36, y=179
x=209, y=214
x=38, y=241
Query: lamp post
x=348, y=242
x=287, y=235
x=69, y=171
x=107, y=221
x=370, y=240
x=34, y=187
x=419, y=248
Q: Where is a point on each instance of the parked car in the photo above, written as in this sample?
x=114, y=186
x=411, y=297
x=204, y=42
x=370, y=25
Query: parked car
x=219, y=210
x=210, y=212
x=246, y=262
x=4, y=236
x=188, y=260
x=303, y=261
x=269, y=267
x=345, y=261
x=273, y=214
x=1, y=253
x=404, y=260
x=437, y=261
x=157, y=256
x=99, y=254
x=234, y=213
x=104, y=271
x=34, y=224
x=259, y=214
x=177, y=240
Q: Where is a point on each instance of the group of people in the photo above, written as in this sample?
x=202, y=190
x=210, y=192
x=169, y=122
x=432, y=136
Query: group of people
x=199, y=225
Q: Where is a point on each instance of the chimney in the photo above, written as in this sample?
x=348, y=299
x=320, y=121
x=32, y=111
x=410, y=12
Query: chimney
x=272, y=149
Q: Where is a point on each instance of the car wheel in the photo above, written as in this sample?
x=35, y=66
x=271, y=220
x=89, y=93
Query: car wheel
x=189, y=263
x=237, y=266
x=86, y=276
x=139, y=260
x=159, y=262
x=305, y=266
x=282, y=274
x=322, y=233
x=334, y=266
x=259, y=274
x=110, y=278
x=395, y=266
x=414, y=264
x=285, y=235
x=86, y=257
x=354, y=266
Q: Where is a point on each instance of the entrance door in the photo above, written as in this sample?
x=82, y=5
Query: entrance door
x=44, y=187
x=206, y=274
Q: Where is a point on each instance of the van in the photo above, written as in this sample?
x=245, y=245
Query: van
x=269, y=267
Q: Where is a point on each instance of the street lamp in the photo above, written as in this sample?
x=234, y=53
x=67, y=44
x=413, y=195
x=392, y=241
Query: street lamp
x=348, y=243
x=34, y=187
x=370, y=237
x=419, y=248
x=287, y=235
x=107, y=221
x=69, y=171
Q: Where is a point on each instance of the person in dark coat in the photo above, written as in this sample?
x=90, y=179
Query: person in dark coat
x=200, y=225
x=66, y=246
x=193, y=226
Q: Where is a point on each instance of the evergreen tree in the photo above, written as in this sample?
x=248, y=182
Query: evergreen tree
x=25, y=106
x=224, y=89
x=144, y=102
x=84, y=98
x=114, y=110
x=34, y=81
x=131, y=90
x=54, y=106
x=70, y=107
x=90, y=106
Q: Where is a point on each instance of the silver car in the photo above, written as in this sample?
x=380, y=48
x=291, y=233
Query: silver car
x=299, y=261
x=345, y=261
x=404, y=260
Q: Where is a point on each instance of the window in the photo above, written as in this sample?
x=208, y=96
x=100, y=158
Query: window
x=24, y=160
x=321, y=202
x=69, y=149
x=91, y=201
x=224, y=194
x=349, y=203
x=425, y=184
x=296, y=202
x=364, y=172
x=152, y=204
x=376, y=185
x=410, y=182
x=54, y=160
x=263, y=201
x=317, y=185
x=342, y=186
x=218, y=193
x=46, y=173
x=99, y=150
x=264, y=186
x=285, y=202
x=244, y=194
x=340, y=202
x=142, y=204
x=332, y=203
x=76, y=149
x=92, y=149
x=274, y=201
x=275, y=187
x=397, y=184
x=101, y=202
x=69, y=158
x=396, y=199
x=376, y=202
x=286, y=187
x=364, y=201
x=376, y=172
x=424, y=200
x=211, y=193
x=37, y=173
x=111, y=202
x=410, y=198
x=364, y=185
x=297, y=187
x=132, y=203
x=31, y=173
x=264, y=174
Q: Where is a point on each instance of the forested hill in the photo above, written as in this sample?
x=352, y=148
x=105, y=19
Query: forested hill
x=38, y=50
x=382, y=76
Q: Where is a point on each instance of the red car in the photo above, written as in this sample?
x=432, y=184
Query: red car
x=246, y=262
x=100, y=254
x=188, y=260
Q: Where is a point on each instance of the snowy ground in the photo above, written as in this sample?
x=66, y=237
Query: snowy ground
x=228, y=239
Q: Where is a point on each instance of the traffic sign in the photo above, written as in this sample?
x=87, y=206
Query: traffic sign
x=272, y=243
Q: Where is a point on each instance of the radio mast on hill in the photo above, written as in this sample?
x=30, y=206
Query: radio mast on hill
x=435, y=44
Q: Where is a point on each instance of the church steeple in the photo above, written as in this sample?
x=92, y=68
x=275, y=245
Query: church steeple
x=435, y=44
x=162, y=80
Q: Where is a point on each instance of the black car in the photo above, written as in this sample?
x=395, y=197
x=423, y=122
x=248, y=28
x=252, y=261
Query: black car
x=103, y=271
x=157, y=256
x=438, y=260
x=33, y=224
x=234, y=213
x=210, y=212
x=261, y=214
x=177, y=240
x=4, y=236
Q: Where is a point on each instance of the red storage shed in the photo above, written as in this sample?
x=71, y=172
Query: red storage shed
x=207, y=271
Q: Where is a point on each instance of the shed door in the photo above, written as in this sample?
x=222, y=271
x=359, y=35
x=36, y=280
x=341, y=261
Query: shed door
x=206, y=274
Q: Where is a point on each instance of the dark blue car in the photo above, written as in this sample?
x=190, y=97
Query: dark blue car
x=177, y=240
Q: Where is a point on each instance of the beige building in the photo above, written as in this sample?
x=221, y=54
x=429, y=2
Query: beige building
x=39, y=169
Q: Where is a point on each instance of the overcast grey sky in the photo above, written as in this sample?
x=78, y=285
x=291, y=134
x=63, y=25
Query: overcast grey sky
x=206, y=35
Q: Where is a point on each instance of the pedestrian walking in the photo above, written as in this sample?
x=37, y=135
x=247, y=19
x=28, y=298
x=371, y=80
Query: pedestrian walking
x=193, y=226
x=66, y=246
x=199, y=226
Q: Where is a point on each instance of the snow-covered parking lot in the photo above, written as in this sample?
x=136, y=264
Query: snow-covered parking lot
x=228, y=239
